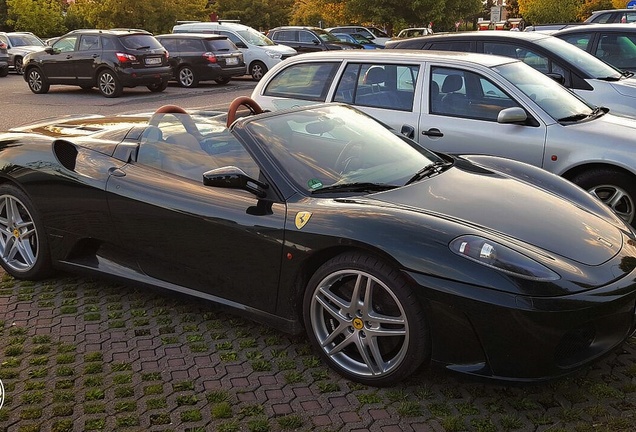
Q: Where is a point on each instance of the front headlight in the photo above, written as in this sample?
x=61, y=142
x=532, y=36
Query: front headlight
x=502, y=258
x=274, y=54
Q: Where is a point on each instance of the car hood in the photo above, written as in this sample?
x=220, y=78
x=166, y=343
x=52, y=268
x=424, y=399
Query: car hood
x=283, y=49
x=496, y=203
x=626, y=87
x=28, y=48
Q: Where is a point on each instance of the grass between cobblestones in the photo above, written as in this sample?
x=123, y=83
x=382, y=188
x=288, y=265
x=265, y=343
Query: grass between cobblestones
x=86, y=355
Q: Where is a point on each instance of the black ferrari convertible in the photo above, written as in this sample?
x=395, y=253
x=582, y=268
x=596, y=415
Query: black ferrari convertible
x=321, y=219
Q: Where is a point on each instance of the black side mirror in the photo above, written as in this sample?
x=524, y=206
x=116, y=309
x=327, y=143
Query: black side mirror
x=234, y=178
x=49, y=50
x=557, y=77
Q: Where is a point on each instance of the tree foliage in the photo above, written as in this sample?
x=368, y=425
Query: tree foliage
x=42, y=17
x=549, y=11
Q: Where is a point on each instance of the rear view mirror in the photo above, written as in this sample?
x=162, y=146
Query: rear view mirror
x=512, y=115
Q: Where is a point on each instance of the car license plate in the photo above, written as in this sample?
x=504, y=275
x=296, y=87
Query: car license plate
x=153, y=61
x=231, y=60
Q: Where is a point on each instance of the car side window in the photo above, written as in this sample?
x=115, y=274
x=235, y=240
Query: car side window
x=540, y=62
x=65, y=44
x=306, y=37
x=231, y=36
x=451, y=46
x=89, y=42
x=387, y=86
x=108, y=44
x=191, y=45
x=170, y=45
x=285, y=35
x=460, y=93
x=579, y=40
x=306, y=81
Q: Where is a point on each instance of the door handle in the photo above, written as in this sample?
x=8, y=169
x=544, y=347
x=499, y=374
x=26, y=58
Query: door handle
x=116, y=172
x=95, y=55
x=69, y=57
x=433, y=132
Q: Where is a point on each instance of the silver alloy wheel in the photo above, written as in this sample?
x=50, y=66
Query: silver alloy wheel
x=35, y=81
x=17, y=64
x=186, y=77
x=359, y=323
x=18, y=236
x=257, y=71
x=107, y=84
x=618, y=199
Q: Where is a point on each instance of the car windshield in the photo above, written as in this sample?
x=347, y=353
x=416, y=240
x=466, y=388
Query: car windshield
x=585, y=61
x=377, y=32
x=555, y=99
x=329, y=146
x=255, y=38
x=25, y=40
x=326, y=36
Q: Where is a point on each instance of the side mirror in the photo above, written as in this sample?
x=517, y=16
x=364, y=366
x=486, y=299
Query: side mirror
x=234, y=178
x=408, y=131
x=512, y=115
x=240, y=44
x=49, y=50
x=316, y=42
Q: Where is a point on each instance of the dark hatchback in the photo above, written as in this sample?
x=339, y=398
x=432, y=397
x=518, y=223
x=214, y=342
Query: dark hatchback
x=309, y=39
x=202, y=57
x=107, y=59
x=4, y=60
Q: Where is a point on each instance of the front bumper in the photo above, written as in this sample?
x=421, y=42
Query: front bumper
x=491, y=333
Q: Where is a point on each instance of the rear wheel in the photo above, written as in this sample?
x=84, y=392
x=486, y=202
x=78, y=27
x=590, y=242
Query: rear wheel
x=615, y=188
x=223, y=80
x=37, y=82
x=257, y=70
x=363, y=318
x=4, y=72
x=18, y=65
x=109, y=85
x=187, y=78
x=158, y=87
x=24, y=251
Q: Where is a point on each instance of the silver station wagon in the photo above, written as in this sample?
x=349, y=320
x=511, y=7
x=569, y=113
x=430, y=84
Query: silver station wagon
x=468, y=103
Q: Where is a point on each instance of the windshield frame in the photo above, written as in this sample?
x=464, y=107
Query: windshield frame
x=586, y=62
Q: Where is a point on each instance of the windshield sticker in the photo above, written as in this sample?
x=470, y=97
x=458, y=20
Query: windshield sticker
x=302, y=218
x=314, y=184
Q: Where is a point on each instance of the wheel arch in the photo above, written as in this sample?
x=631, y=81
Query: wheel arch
x=571, y=173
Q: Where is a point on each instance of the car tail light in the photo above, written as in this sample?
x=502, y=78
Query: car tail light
x=210, y=57
x=124, y=58
x=3, y=45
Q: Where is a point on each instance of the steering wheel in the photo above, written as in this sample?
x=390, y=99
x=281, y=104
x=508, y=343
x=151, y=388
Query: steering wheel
x=245, y=101
x=350, y=157
x=185, y=119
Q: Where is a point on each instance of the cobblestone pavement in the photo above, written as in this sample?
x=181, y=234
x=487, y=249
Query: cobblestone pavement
x=80, y=354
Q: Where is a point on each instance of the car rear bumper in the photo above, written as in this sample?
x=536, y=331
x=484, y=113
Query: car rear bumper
x=214, y=71
x=134, y=77
x=505, y=336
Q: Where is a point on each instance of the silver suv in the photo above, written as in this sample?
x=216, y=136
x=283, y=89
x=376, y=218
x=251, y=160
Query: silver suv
x=471, y=103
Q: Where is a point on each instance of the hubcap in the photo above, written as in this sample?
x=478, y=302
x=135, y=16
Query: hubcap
x=618, y=199
x=186, y=77
x=34, y=81
x=18, y=237
x=359, y=323
x=107, y=84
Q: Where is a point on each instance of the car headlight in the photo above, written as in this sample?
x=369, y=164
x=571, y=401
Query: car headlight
x=274, y=54
x=502, y=258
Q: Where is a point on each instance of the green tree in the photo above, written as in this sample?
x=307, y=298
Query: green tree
x=259, y=14
x=589, y=6
x=42, y=17
x=549, y=11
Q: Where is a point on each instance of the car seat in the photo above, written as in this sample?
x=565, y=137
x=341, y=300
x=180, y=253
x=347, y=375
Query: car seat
x=453, y=102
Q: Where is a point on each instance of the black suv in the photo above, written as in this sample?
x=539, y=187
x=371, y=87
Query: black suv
x=202, y=57
x=308, y=39
x=107, y=59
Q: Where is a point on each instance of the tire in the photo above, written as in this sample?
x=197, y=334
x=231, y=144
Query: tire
x=18, y=65
x=187, y=78
x=222, y=81
x=108, y=84
x=24, y=249
x=159, y=87
x=257, y=70
x=352, y=338
x=615, y=188
x=4, y=72
x=37, y=82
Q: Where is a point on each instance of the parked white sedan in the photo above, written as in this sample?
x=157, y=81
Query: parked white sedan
x=471, y=103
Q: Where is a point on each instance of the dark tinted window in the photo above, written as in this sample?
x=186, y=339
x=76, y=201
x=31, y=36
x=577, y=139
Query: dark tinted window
x=220, y=45
x=140, y=42
x=451, y=46
x=285, y=35
x=170, y=44
x=191, y=45
x=109, y=43
x=306, y=36
x=89, y=43
x=580, y=40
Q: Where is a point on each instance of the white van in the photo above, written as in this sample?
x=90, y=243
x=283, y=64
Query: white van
x=259, y=52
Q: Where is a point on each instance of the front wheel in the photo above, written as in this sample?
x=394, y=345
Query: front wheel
x=615, y=188
x=109, y=85
x=257, y=70
x=18, y=64
x=363, y=318
x=223, y=80
x=187, y=78
x=158, y=87
x=37, y=82
x=24, y=251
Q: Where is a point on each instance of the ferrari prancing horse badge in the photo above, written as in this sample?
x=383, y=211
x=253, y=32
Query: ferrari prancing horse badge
x=302, y=218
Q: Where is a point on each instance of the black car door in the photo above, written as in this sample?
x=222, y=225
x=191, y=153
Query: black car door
x=223, y=242
x=59, y=66
x=88, y=54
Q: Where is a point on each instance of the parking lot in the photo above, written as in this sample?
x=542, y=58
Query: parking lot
x=81, y=354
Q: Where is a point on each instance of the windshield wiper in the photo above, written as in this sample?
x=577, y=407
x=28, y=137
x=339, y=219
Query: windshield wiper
x=429, y=170
x=597, y=112
x=355, y=187
x=611, y=78
x=143, y=47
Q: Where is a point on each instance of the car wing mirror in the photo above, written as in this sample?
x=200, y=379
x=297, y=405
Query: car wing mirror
x=512, y=115
x=240, y=44
x=49, y=50
x=234, y=178
x=316, y=42
x=408, y=131
x=557, y=77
